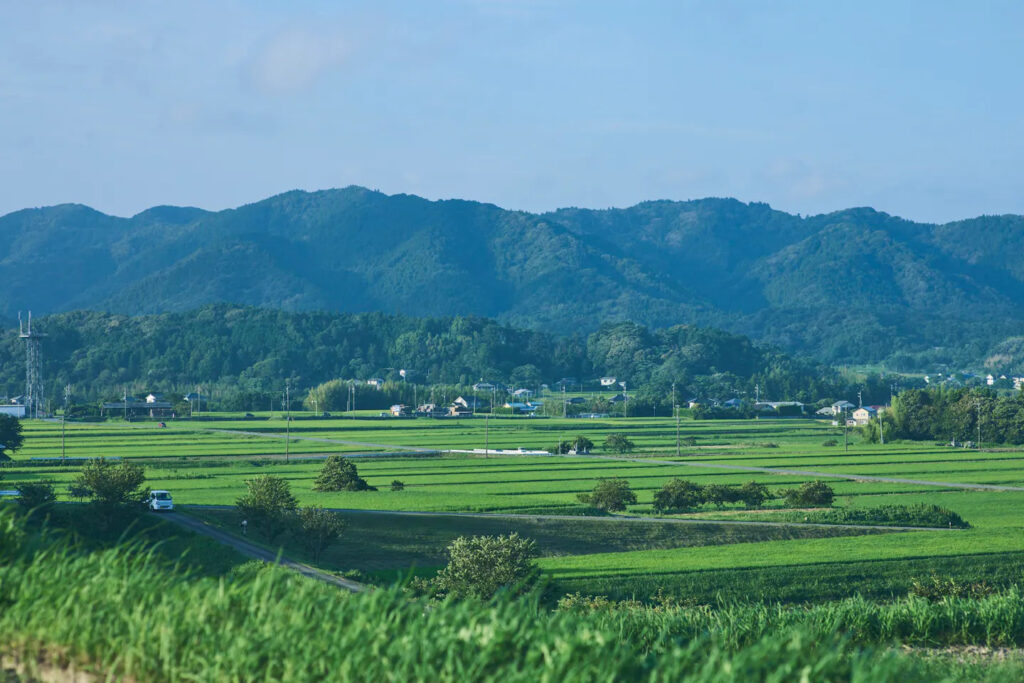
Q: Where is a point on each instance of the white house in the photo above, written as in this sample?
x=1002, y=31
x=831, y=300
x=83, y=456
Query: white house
x=990, y=380
x=522, y=393
x=607, y=381
x=375, y=382
x=12, y=409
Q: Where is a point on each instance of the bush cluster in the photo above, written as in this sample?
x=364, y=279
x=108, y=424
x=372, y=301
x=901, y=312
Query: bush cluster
x=679, y=495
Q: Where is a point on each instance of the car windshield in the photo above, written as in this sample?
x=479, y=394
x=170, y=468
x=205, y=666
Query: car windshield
x=162, y=495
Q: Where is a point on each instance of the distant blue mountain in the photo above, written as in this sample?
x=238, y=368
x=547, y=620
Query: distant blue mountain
x=852, y=286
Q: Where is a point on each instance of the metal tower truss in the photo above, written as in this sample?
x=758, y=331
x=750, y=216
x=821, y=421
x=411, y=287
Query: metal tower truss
x=35, y=404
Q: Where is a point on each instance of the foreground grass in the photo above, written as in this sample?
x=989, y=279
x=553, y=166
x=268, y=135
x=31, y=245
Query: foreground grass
x=124, y=614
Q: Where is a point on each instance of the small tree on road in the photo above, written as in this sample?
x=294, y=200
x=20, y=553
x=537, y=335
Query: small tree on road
x=320, y=529
x=618, y=443
x=339, y=474
x=36, y=495
x=268, y=505
x=483, y=565
x=609, y=494
x=110, y=485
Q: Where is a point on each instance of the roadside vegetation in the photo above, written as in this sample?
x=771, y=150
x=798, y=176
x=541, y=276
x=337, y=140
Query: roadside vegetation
x=210, y=628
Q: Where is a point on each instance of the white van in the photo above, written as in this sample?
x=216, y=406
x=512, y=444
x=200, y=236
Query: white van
x=160, y=500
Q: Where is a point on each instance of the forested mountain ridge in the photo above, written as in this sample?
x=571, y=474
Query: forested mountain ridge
x=852, y=286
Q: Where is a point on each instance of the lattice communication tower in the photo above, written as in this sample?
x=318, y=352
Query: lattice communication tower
x=35, y=406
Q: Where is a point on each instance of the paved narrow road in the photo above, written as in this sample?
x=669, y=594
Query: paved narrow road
x=802, y=473
x=609, y=518
x=259, y=553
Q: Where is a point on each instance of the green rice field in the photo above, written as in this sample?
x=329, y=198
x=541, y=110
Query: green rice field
x=208, y=462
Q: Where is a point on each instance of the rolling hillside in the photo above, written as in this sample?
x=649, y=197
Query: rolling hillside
x=851, y=286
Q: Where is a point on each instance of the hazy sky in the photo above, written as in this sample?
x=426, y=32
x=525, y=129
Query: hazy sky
x=915, y=108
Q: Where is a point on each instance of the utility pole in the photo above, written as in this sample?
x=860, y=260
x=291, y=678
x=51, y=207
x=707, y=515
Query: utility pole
x=757, y=393
x=125, y=403
x=63, y=418
x=675, y=411
x=563, y=400
x=846, y=430
x=287, y=421
x=977, y=405
x=860, y=399
x=487, y=434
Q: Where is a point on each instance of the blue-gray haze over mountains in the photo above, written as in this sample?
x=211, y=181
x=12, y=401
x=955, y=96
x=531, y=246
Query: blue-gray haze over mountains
x=851, y=286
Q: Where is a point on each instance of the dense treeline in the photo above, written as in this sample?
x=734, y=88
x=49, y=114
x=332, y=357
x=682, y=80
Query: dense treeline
x=956, y=415
x=242, y=356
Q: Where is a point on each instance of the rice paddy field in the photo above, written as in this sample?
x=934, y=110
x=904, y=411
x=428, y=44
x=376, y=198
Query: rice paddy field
x=206, y=463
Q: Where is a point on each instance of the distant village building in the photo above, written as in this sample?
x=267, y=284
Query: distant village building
x=607, y=381
x=840, y=407
x=522, y=408
x=864, y=415
x=522, y=393
x=375, y=382
x=399, y=410
x=484, y=386
x=13, y=409
x=472, y=403
x=431, y=410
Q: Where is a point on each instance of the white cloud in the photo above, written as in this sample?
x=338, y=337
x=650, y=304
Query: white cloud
x=294, y=60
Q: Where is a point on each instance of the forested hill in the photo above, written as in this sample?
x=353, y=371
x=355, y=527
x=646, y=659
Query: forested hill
x=256, y=349
x=851, y=286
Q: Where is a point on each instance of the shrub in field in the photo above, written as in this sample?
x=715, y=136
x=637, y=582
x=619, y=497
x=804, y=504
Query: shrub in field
x=830, y=442
x=677, y=495
x=810, y=494
x=397, y=485
x=562, y=447
x=752, y=494
x=609, y=494
x=110, y=485
x=339, y=474
x=483, y=565
x=582, y=444
x=689, y=441
x=919, y=514
x=320, y=529
x=618, y=443
x=36, y=495
x=268, y=505
x=937, y=588
x=719, y=494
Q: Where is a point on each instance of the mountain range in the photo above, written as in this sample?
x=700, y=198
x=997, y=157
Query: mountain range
x=854, y=286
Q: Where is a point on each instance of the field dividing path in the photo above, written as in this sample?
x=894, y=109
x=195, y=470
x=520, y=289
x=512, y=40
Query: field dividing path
x=259, y=553
x=319, y=439
x=801, y=473
x=625, y=519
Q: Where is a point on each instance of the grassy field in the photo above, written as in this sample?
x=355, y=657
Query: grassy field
x=158, y=623
x=208, y=462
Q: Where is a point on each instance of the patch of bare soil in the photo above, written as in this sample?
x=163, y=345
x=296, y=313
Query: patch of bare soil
x=969, y=653
x=46, y=669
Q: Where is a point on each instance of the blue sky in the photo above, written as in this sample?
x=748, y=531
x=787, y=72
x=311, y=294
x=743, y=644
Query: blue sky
x=915, y=108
